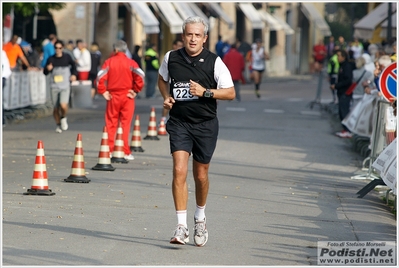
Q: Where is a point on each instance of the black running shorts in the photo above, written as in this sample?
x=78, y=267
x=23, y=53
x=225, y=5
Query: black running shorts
x=199, y=139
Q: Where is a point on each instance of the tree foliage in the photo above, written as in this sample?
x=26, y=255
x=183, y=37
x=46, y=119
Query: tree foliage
x=28, y=9
x=355, y=11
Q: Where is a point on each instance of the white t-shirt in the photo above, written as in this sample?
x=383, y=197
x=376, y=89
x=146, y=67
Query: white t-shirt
x=357, y=51
x=5, y=65
x=258, y=59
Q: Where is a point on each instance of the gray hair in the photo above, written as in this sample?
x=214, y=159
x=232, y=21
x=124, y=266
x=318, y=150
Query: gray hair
x=196, y=19
x=121, y=46
x=360, y=62
x=385, y=60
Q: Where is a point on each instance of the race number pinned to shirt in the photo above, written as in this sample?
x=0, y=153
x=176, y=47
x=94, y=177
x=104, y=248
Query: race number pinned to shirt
x=58, y=78
x=181, y=91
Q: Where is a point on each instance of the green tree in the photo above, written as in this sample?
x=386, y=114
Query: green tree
x=28, y=9
x=24, y=13
x=343, y=18
x=354, y=11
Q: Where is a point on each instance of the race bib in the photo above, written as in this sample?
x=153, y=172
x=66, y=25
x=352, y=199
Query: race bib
x=58, y=78
x=181, y=92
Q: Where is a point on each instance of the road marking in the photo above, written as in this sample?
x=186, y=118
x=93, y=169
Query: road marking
x=236, y=109
x=271, y=111
x=295, y=99
x=311, y=113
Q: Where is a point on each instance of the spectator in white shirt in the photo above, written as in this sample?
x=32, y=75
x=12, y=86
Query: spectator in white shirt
x=5, y=73
x=83, y=60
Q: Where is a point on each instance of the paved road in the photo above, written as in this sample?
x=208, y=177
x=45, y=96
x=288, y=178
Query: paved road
x=279, y=182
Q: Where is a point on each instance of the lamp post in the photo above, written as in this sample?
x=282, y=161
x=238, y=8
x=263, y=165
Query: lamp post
x=34, y=34
x=389, y=28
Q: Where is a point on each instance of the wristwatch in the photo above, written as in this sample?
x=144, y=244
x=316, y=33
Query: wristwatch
x=208, y=93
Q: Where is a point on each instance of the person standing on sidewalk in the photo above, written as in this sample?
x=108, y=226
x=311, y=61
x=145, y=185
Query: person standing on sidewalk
x=198, y=78
x=332, y=71
x=62, y=71
x=135, y=56
x=95, y=55
x=83, y=60
x=151, y=70
x=14, y=52
x=344, y=81
x=319, y=56
x=119, y=81
x=5, y=74
x=48, y=49
x=235, y=62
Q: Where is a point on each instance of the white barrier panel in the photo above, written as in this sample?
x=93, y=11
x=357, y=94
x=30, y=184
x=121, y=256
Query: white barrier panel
x=37, y=85
x=385, y=165
x=360, y=119
x=14, y=91
x=24, y=92
x=6, y=95
x=24, y=89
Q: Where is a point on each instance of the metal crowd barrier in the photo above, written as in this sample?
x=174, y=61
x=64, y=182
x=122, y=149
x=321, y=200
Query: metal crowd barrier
x=382, y=135
x=24, y=92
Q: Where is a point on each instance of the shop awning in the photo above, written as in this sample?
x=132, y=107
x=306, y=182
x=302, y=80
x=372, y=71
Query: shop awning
x=316, y=18
x=169, y=16
x=147, y=18
x=189, y=10
x=218, y=10
x=287, y=28
x=271, y=22
x=365, y=27
x=252, y=15
x=384, y=26
x=198, y=12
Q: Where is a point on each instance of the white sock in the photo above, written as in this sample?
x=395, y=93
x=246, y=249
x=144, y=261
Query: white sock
x=182, y=217
x=199, y=213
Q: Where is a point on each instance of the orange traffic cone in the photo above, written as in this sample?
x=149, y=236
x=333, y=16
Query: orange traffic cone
x=118, y=155
x=152, y=127
x=162, y=128
x=135, y=143
x=78, y=173
x=39, y=179
x=104, y=162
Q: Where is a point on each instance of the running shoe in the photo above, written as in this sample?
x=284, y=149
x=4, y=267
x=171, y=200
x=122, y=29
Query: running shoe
x=129, y=157
x=200, y=232
x=58, y=129
x=64, y=123
x=344, y=134
x=180, y=236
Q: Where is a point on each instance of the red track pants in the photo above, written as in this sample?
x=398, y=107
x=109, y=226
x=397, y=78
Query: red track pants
x=119, y=108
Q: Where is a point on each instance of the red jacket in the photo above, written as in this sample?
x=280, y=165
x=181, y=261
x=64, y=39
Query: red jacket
x=119, y=73
x=319, y=52
x=234, y=61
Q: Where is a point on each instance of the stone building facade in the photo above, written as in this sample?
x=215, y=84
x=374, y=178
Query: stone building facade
x=286, y=31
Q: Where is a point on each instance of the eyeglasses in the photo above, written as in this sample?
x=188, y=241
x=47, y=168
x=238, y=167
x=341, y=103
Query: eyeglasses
x=58, y=47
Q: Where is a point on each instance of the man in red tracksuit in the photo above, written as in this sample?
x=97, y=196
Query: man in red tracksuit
x=235, y=62
x=119, y=81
